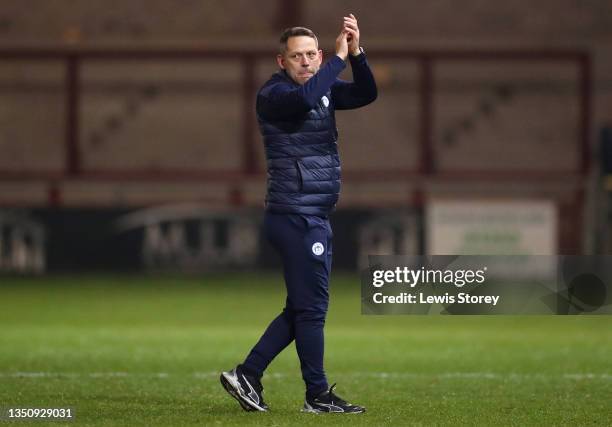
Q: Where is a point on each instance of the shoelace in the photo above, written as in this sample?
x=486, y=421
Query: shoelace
x=334, y=397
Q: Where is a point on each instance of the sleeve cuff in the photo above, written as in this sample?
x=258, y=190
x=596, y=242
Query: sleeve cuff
x=358, y=59
x=337, y=62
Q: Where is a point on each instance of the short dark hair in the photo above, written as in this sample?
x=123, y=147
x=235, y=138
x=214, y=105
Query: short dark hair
x=295, y=32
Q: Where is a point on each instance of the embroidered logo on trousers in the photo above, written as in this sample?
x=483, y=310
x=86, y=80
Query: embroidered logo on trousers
x=318, y=248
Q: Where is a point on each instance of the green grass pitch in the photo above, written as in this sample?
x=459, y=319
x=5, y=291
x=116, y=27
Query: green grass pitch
x=134, y=350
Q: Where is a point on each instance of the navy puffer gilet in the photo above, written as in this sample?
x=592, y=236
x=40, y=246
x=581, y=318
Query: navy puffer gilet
x=303, y=161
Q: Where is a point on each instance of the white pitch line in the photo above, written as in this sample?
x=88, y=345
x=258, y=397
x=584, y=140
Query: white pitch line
x=205, y=375
x=479, y=375
x=588, y=376
x=107, y=374
x=279, y=375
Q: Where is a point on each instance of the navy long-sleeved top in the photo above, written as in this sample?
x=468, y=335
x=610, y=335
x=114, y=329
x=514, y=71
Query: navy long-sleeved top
x=284, y=98
x=299, y=130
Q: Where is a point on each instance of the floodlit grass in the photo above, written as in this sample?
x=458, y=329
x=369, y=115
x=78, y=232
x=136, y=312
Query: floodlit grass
x=134, y=350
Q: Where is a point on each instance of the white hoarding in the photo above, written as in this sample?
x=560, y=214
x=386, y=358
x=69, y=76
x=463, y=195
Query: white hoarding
x=491, y=227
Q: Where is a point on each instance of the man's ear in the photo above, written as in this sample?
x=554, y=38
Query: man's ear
x=280, y=61
x=320, y=55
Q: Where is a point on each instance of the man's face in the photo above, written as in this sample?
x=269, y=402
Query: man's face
x=302, y=58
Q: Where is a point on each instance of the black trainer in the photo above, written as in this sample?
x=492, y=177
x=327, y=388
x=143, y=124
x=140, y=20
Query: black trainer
x=247, y=390
x=329, y=402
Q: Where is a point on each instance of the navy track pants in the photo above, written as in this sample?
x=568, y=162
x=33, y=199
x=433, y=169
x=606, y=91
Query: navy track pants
x=305, y=245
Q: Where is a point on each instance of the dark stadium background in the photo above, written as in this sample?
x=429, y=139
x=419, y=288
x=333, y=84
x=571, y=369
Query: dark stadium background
x=108, y=108
x=131, y=169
